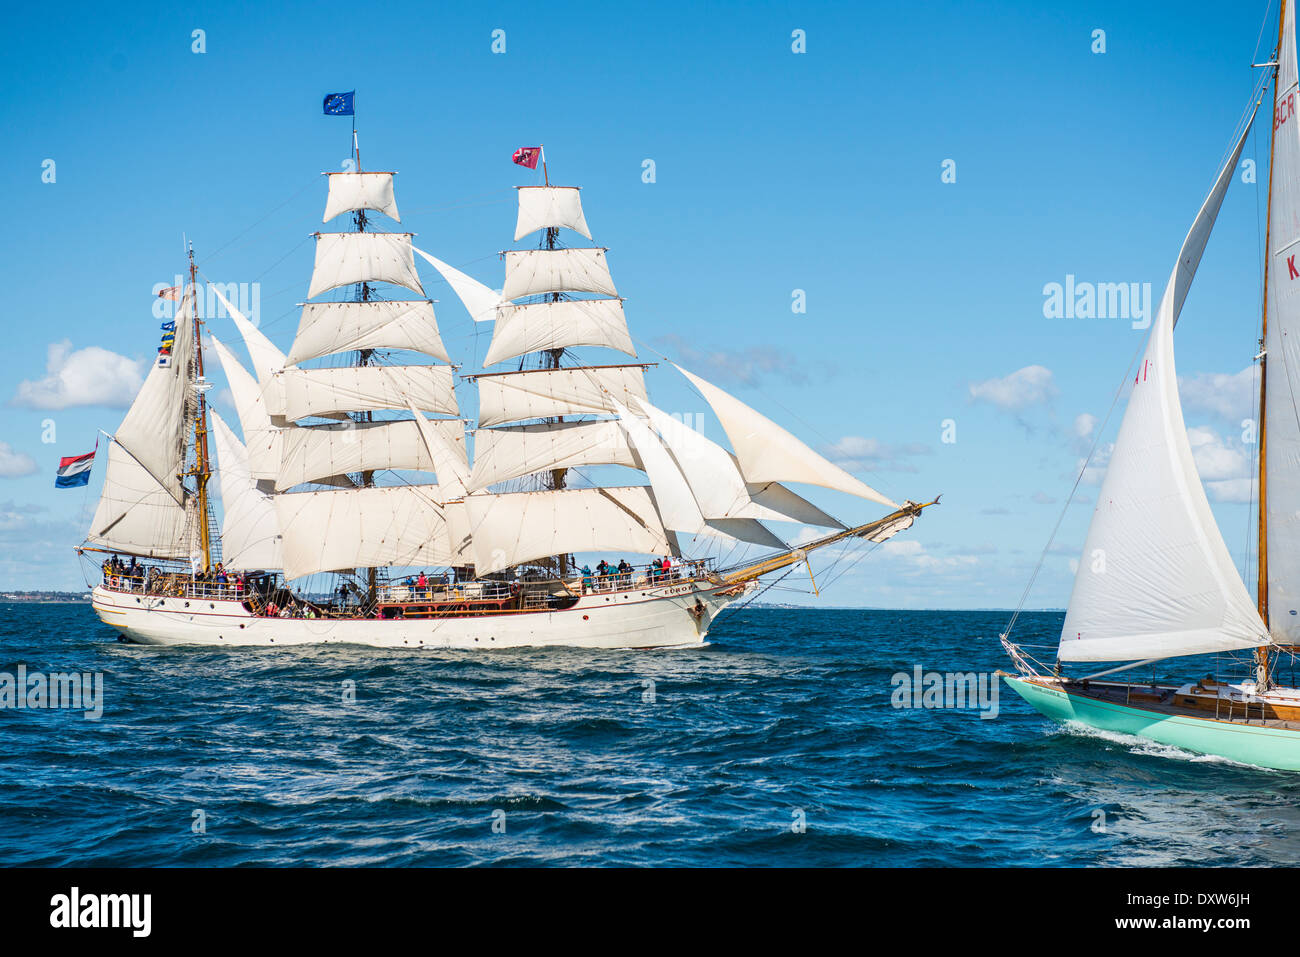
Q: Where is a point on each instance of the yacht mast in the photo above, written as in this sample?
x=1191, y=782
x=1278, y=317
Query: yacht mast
x=1262, y=665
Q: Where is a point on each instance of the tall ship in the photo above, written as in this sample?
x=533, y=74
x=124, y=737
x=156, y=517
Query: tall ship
x=1156, y=581
x=352, y=510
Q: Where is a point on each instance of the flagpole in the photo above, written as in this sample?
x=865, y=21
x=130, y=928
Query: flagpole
x=356, y=146
x=545, y=175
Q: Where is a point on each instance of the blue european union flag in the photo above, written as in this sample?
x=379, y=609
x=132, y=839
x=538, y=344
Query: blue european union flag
x=339, y=104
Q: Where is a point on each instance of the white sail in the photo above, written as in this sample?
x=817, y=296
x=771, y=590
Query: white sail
x=542, y=326
x=1282, y=353
x=715, y=479
x=447, y=452
x=261, y=437
x=250, y=537
x=136, y=512
x=327, y=328
x=543, y=393
x=678, y=509
x=768, y=453
x=543, y=207
x=352, y=191
x=346, y=258
x=320, y=451
x=533, y=271
x=1155, y=579
x=266, y=356
x=506, y=453
x=367, y=388
x=480, y=301
x=362, y=528
x=153, y=431
x=522, y=526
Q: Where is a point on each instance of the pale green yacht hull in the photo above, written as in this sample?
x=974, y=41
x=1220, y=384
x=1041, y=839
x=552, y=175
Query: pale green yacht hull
x=1266, y=747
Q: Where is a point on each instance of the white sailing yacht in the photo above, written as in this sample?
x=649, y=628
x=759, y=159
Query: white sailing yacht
x=1156, y=580
x=354, y=467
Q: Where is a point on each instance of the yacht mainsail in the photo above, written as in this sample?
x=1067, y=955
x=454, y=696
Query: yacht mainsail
x=1280, y=444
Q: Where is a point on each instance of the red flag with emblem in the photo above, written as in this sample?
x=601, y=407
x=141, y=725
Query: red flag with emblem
x=527, y=156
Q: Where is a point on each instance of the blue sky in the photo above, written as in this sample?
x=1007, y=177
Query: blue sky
x=775, y=171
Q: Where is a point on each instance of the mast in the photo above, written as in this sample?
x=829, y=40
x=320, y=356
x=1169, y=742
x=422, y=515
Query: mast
x=364, y=358
x=202, y=470
x=1264, y=677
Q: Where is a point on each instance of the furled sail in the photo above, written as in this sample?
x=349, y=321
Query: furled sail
x=250, y=537
x=346, y=258
x=362, y=528
x=367, y=388
x=715, y=479
x=506, y=453
x=1282, y=353
x=543, y=207
x=522, y=526
x=1155, y=579
x=352, y=191
x=480, y=301
x=542, y=326
x=533, y=271
x=768, y=453
x=327, y=328
x=542, y=393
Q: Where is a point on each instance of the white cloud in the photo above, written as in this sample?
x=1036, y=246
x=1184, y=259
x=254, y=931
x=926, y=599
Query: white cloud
x=1215, y=459
x=1016, y=392
x=1229, y=397
x=1238, y=491
x=14, y=463
x=910, y=552
x=89, y=376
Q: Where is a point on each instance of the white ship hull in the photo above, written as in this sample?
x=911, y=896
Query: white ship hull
x=665, y=616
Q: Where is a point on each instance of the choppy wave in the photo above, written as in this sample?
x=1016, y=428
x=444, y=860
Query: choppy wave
x=777, y=744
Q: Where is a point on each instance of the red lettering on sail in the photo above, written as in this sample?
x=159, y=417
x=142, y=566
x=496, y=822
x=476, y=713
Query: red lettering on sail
x=1290, y=265
x=1142, y=372
x=1284, y=111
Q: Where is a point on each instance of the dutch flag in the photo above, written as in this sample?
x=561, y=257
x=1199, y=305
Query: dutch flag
x=74, y=470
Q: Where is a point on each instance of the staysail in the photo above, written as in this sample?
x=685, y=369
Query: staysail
x=250, y=536
x=1156, y=579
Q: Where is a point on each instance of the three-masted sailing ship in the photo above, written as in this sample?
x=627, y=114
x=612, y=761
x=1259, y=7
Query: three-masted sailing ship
x=1156, y=580
x=357, y=467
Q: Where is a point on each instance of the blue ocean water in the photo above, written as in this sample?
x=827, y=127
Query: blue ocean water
x=714, y=756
